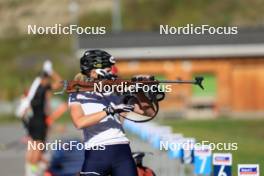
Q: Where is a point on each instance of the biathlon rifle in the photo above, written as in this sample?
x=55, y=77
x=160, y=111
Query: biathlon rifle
x=81, y=86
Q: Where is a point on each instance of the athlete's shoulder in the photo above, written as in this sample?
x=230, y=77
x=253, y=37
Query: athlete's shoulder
x=84, y=97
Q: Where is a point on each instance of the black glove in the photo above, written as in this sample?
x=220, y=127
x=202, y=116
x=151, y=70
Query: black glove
x=112, y=108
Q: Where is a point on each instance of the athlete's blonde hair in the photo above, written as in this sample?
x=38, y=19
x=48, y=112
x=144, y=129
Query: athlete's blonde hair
x=80, y=77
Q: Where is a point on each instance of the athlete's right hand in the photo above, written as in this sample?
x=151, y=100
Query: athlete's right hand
x=112, y=108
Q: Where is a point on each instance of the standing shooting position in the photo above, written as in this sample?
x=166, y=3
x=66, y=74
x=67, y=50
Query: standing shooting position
x=99, y=115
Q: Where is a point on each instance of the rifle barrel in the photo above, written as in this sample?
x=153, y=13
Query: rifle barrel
x=178, y=81
x=196, y=81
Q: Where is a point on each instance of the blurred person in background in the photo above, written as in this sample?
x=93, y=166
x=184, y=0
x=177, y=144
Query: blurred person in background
x=35, y=112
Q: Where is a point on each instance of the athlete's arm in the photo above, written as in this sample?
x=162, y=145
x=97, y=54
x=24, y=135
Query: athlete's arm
x=83, y=121
x=48, y=98
x=56, y=81
x=55, y=115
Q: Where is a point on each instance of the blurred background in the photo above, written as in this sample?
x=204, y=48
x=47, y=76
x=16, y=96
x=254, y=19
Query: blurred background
x=231, y=108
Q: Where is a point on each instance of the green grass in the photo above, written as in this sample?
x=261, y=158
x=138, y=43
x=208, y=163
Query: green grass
x=7, y=119
x=102, y=19
x=249, y=135
x=144, y=15
x=151, y=13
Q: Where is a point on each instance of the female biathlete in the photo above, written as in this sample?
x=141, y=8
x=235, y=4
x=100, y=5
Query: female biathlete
x=98, y=115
